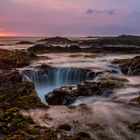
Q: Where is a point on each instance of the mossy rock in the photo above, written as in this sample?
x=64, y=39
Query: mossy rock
x=9, y=59
x=15, y=126
x=21, y=95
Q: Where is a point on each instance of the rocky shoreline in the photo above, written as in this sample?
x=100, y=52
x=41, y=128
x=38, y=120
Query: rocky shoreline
x=17, y=95
x=121, y=44
x=129, y=66
x=21, y=110
x=67, y=95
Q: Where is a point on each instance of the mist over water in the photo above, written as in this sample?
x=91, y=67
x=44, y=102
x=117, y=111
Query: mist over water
x=66, y=70
x=113, y=111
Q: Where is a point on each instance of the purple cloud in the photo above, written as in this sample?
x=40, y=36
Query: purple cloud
x=95, y=11
x=66, y=17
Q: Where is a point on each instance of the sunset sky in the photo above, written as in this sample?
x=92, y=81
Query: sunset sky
x=69, y=17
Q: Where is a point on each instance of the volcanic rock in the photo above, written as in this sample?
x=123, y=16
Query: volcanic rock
x=16, y=93
x=129, y=66
x=9, y=59
x=56, y=40
x=24, y=43
x=68, y=94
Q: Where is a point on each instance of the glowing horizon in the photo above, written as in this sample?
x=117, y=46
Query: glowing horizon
x=69, y=17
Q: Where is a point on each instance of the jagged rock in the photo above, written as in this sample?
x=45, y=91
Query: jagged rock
x=68, y=94
x=129, y=66
x=9, y=59
x=64, y=95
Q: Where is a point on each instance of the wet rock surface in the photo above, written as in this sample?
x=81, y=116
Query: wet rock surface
x=68, y=94
x=100, y=120
x=18, y=127
x=118, y=49
x=122, y=39
x=64, y=95
x=9, y=59
x=45, y=48
x=129, y=66
x=16, y=95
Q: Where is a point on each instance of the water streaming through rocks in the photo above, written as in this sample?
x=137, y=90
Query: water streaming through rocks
x=112, y=112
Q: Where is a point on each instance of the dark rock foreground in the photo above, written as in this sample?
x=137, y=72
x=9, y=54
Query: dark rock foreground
x=68, y=94
x=17, y=95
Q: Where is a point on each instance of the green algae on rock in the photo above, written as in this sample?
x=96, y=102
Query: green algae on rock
x=21, y=95
x=10, y=59
x=15, y=126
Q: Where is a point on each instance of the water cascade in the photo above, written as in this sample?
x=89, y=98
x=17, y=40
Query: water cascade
x=46, y=80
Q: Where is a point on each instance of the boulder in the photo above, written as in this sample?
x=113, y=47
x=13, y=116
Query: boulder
x=68, y=94
x=64, y=95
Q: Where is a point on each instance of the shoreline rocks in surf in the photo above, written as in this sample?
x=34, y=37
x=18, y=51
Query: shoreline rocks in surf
x=120, y=44
x=129, y=66
x=45, y=48
x=119, y=40
x=68, y=94
x=49, y=48
x=57, y=40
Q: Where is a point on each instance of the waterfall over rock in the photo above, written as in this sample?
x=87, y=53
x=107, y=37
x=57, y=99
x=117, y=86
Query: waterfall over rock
x=51, y=78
